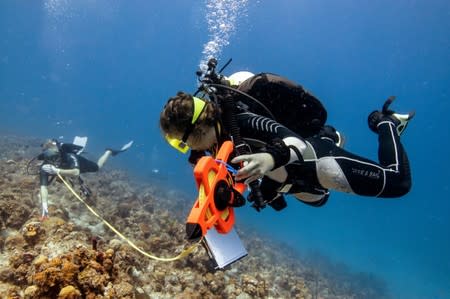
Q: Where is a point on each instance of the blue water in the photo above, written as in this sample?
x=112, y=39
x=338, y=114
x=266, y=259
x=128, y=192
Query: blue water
x=105, y=69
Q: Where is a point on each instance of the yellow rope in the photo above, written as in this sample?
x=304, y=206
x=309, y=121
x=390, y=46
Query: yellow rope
x=184, y=253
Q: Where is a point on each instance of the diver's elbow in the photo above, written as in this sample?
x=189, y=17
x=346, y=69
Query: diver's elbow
x=403, y=188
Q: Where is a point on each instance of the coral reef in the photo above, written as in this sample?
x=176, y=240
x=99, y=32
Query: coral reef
x=73, y=254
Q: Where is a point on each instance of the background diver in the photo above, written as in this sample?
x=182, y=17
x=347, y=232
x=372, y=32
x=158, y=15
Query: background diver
x=287, y=163
x=65, y=159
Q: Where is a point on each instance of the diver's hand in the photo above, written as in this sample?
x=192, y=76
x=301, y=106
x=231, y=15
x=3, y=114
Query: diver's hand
x=50, y=169
x=255, y=166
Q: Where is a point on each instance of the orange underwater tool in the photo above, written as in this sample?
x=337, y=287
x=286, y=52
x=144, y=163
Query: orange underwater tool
x=217, y=194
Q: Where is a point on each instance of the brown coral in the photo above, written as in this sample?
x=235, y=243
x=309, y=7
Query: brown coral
x=32, y=231
x=56, y=259
x=69, y=292
x=14, y=211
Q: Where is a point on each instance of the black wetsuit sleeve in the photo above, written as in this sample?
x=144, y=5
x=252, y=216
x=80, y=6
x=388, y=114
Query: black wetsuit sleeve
x=267, y=131
x=262, y=128
x=70, y=161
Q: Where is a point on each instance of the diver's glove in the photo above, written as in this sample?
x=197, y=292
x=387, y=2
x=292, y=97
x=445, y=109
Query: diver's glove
x=50, y=169
x=255, y=166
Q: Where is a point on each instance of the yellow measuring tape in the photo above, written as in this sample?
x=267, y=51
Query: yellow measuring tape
x=184, y=253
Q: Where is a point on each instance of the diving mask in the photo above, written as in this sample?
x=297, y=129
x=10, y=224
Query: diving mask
x=50, y=154
x=181, y=145
x=50, y=150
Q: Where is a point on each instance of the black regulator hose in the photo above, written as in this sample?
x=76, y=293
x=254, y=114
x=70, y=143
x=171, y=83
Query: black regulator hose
x=230, y=121
x=264, y=107
x=226, y=102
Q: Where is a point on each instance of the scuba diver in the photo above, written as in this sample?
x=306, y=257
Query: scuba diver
x=65, y=159
x=292, y=150
x=282, y=100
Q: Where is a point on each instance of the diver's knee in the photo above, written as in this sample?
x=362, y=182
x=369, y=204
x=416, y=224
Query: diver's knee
x=398, y=190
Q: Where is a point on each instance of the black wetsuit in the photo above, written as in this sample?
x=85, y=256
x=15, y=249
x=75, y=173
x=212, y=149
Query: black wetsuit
x=316, y=164
x=69, y=161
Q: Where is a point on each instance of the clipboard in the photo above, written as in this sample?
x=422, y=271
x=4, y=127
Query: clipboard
x=225, y=249
x=80, y=141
